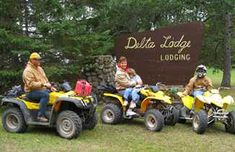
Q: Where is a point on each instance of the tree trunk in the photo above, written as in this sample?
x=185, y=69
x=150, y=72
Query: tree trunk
x=226, y=82
x=25, y=16
x=133, y=24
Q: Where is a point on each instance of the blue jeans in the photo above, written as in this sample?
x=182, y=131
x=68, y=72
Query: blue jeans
x=135, y=95
x=197, y=93
x=130, y=93
x=126, y=93
x=42, y=96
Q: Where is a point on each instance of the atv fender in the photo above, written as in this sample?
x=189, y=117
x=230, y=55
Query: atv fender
x=118, y=97
x=161, y=96
x=188, y=101
x=227, y=101
x=145, y=103
x=20, y=104
x=79, y=103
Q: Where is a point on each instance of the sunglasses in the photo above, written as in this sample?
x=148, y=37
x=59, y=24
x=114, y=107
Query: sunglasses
x=37, y=59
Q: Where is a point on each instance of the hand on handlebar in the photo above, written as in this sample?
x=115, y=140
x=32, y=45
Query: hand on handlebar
x=47, y=85
x=53, y=89
x=138, y=86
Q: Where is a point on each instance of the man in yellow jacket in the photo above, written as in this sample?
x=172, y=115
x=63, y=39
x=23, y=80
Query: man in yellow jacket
x=36, y=84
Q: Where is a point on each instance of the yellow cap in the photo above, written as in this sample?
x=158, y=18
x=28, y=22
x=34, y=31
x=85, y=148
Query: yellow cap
x=35, y=55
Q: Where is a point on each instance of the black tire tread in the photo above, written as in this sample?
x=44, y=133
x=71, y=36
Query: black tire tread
x=76, y=120
x=17, y=111
x=174, y=120
x=183, y=121
x=203, y=122
x=91, y=122
x=117, y=112
x=231, y=129
x=159, y=117
x=179, y=107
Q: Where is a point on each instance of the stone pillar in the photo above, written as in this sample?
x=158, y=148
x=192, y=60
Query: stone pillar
x=100, y=71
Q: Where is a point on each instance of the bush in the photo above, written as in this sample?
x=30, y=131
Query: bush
x=60, y=73
x=9, y=78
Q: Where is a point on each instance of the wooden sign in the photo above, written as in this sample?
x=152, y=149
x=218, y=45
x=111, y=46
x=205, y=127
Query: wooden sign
x=168, y=55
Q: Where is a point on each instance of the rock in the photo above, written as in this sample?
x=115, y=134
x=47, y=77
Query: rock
x=100, y=71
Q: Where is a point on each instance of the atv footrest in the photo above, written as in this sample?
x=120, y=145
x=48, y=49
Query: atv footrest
x=186, y=118
x=39, y=123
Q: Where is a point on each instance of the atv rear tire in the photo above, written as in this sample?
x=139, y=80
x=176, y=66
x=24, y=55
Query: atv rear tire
x=200, y=122
x=68, y=124
x=230, y=127
x=91, y=122
x=111, y=114
x=154, y=120
x=173, y=118
x=13, y=120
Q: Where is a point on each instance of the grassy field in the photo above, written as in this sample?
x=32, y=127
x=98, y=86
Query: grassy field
x=217, y=77
x=128, y=136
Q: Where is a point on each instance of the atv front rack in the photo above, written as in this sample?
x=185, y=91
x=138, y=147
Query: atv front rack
x=220, y=114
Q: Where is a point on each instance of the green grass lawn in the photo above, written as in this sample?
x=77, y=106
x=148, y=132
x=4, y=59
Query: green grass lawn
x=128, y=136
x=217, y=77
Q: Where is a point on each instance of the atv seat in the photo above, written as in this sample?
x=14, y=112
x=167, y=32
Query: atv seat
x=24, y=97
x=108, y=88
x=30, y=104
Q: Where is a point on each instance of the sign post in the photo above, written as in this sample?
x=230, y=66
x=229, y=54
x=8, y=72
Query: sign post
x=168, y=55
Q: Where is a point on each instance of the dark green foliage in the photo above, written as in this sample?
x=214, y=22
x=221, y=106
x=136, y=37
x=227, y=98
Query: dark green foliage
x=67, y=32
x=9, y=79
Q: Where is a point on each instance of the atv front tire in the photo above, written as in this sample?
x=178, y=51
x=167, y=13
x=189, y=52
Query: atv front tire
x=200, y=122
x=13, y=120
x=91, y=122
x=230, y=127
x=111, y=114
x=68, y=124
x=154, y=120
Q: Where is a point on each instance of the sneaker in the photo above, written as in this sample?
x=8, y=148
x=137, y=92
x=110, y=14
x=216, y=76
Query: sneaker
x=129, y=112
x=132, y=105
x=42, y=119
x=125, y=103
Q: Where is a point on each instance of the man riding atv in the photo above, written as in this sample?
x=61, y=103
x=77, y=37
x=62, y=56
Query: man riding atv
x=37, y=84
x=198, y=84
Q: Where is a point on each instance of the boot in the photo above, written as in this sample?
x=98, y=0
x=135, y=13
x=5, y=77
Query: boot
x=42, y=118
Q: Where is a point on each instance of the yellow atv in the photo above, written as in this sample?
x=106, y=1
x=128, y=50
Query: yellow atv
x=66, y=111
x=154, y=106
x=205, y=109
